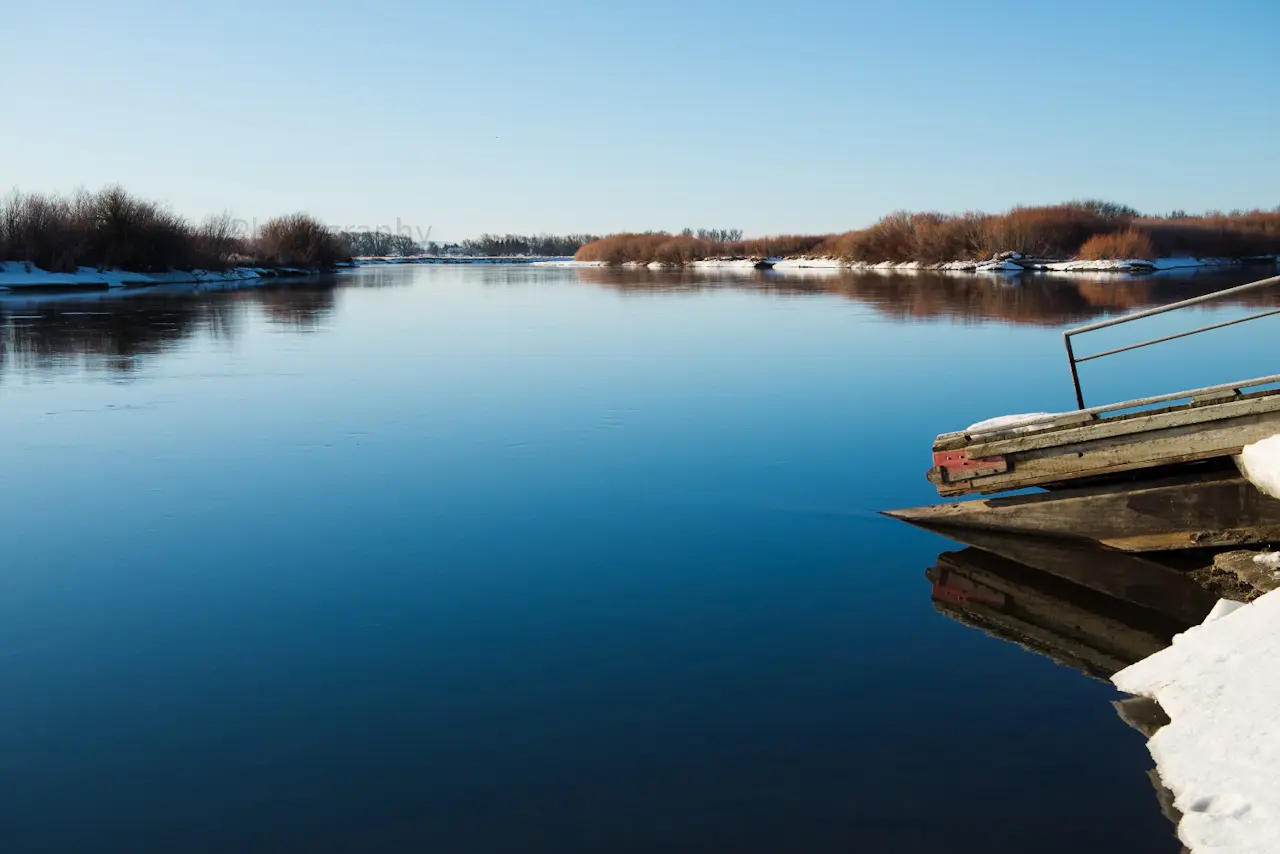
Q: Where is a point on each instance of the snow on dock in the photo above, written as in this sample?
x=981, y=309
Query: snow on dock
x=1220, y=756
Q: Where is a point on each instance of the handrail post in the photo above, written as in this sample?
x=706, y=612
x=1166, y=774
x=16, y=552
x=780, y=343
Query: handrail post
x=1075, y=373
x=1152, y=312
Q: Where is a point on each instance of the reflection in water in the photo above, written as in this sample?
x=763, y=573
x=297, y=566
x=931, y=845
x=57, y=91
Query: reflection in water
x=487, y=576
x=115, y=328
x=1093, y=610
x=1041, y=300
x=47, y=329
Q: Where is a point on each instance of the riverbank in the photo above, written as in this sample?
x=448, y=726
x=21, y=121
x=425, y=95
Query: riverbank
x=548, y=260
x=21, y=276
x=1219, y=687
x=15, y=275
x=1080, y=231
x=1219, y=755
x=1009, y=263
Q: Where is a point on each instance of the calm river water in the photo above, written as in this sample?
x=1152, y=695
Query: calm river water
x=513, y=559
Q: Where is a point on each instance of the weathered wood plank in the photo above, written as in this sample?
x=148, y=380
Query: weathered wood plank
x=1114, y=412
x=1184, y=443
x=1175, y=513
x=1200, y=414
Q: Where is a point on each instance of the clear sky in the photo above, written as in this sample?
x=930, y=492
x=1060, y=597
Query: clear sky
x=568, y=115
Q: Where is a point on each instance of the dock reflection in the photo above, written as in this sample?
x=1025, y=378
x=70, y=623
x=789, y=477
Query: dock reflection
x=1094, y=610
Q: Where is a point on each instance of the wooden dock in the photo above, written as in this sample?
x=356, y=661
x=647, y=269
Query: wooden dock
x=1056, y=450
x=1149, y=474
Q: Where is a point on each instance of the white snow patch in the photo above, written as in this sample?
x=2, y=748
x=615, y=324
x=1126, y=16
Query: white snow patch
x=810, y=264
x=17, y=274
x=1260, y=463
x=725, y=264
x=1224, y=608
x=1220, y=756
x=1005, y=266
x=1136, y=265
x=1012, y=423
x=1271, y=560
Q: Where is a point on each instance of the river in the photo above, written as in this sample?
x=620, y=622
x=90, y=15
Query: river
x=516, y=559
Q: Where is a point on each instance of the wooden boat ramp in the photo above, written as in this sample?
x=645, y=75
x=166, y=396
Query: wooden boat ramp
x=1141, y=475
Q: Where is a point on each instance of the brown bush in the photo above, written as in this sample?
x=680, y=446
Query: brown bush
x=217, y=241
x=114, y=229
x=678, y=249
x=1051, y=231
x=1130, y=243
x=129, y=233
x=41, y=230
x=780, y=246
x=1238, y=235
x=299, y=240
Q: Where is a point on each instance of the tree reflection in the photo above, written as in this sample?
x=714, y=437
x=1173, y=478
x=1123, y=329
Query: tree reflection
x=1029, y=299
x=113, y=330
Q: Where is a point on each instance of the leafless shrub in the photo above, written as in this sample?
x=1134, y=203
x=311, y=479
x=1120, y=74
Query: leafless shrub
x=299, y=240
x=1129, y=243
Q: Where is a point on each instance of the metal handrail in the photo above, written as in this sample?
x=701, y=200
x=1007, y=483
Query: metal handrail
x=1151, y=312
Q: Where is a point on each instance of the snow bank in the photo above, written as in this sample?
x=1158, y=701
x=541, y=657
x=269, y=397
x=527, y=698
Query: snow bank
x=1220, y=756
x=726, y=264
x=544, y=260
x=1004, y=263
x=1135, y=265
x=810, y=264
x=15, y=275
x=1005, y=266
x=1260, y=462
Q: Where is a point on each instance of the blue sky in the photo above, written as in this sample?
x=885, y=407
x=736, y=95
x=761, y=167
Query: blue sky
x=495, y=115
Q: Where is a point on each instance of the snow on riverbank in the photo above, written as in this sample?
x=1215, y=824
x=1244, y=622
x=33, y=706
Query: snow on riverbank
x=1260, y=463
x=1008, y=264
x=15, y=275
x=728, y=264
x=532, y=260
x=1135, y=265
x=1220, y=756
x=810, y=264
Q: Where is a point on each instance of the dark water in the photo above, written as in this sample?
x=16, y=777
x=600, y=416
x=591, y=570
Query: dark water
x=514, y=559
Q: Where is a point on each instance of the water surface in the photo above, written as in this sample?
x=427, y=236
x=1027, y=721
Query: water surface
x=499, y=559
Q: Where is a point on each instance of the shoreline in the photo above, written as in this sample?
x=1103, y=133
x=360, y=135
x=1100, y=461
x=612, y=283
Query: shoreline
x=17, y=275
x=532, y=260
x=20, y=276
x=1010, y=265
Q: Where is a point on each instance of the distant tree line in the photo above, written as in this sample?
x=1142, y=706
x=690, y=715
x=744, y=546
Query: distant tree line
x=716, y=235
x=1080, y=229
x=520, y=244
x=380, y=244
